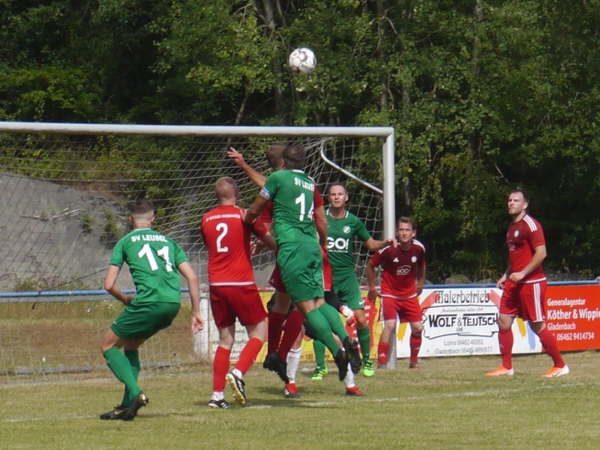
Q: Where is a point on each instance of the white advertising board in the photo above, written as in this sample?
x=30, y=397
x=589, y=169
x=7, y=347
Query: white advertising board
x=462, y=321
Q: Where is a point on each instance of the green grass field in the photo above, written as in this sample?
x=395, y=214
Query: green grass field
x=446, y=404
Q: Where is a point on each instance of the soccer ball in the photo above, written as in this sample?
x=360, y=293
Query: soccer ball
x=302, y=60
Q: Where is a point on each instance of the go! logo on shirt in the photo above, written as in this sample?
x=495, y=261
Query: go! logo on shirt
x=338, y=245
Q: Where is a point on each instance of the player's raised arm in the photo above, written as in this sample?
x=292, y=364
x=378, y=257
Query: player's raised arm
x=255, y=209
x=185, y=268
x=255, y=176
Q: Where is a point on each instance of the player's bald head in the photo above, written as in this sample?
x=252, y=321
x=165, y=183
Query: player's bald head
x=226, y=189
x=275, y=156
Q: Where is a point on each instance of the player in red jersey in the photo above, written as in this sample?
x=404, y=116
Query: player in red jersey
x=233, y=292
x=524, y=286
x=401, y=283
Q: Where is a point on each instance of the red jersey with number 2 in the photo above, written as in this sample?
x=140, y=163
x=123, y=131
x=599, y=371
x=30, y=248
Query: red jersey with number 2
x=227, y=239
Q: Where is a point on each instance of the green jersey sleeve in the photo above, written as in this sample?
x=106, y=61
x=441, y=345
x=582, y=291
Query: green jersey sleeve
x=361, y=230
x=118, y=254
x=179, y=254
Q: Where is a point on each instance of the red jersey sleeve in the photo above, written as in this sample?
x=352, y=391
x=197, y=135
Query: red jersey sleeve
x=318, y=198
x=536, y=236
x=260, y=227
x=377, y=257
x=266, y=217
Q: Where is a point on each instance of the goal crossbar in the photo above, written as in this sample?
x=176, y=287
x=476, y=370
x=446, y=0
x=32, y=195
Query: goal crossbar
x=224, y=130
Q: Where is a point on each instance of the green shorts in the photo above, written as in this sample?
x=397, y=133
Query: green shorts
x=346, y=286
x=140, y=321
x=301, y=267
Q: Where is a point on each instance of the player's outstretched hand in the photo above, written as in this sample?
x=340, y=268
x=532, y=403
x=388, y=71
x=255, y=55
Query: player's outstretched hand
x=237, y=157
x=197, y=323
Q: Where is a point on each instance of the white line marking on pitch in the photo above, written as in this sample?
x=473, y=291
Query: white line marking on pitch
x=317, y=404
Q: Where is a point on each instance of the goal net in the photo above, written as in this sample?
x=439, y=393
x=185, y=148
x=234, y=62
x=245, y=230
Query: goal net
x=64, y=195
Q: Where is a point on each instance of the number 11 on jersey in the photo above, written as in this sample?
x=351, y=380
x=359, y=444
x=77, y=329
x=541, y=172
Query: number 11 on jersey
x=146, y=251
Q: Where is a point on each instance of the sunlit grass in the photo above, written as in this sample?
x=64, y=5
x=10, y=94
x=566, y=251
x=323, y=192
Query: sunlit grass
x=446, y=404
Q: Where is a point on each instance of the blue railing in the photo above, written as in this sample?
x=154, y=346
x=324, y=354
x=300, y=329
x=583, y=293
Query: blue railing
x=86, y=295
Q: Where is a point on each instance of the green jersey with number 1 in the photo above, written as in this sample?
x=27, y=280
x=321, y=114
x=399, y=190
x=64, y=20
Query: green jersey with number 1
x=292, y=194
x=153, y=260
x=340, y=237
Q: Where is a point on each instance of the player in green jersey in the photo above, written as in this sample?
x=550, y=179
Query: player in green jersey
x=296, y=224
x=342, y=228
x=155, y=262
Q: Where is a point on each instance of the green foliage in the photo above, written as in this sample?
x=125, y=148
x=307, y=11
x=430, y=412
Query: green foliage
x=483, y=95
x=111, y=231
x=86, y=222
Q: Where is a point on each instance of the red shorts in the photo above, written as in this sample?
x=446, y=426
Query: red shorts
x=525, y=300
x=408, y=310
x=276, y=280
x=241, y=302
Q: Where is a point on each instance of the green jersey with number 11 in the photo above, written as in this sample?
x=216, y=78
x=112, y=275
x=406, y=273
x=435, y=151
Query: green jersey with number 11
x=153, y=260
x=292, y=194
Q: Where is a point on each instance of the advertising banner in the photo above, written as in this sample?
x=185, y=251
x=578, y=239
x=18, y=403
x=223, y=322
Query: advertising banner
x=573, y=315
x=462, y=321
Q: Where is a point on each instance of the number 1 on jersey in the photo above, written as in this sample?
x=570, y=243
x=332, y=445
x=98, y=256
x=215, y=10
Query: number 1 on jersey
x=163, y=253
x=302, y=200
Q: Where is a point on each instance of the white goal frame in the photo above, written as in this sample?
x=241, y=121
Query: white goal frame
x=387, y=150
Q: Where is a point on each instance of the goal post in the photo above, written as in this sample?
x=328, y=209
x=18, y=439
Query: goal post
x=65, y=186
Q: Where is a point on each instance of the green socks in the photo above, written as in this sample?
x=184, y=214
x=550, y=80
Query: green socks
x=123, y=370
x=333, y=318
x=319, y=349
x=321, y=329
x=134, y=359
x=364, y=338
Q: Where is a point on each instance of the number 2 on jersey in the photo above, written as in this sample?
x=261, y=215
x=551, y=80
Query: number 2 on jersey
x=223, y=228
x=163, y=253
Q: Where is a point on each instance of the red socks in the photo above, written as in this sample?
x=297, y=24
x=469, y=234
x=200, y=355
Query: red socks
x=505, y=339
x=220, y=368
x=551, y=346
x=415, y=346
x=292, y=328
x=275, y=321
x=383, y=350
x=248, y=355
